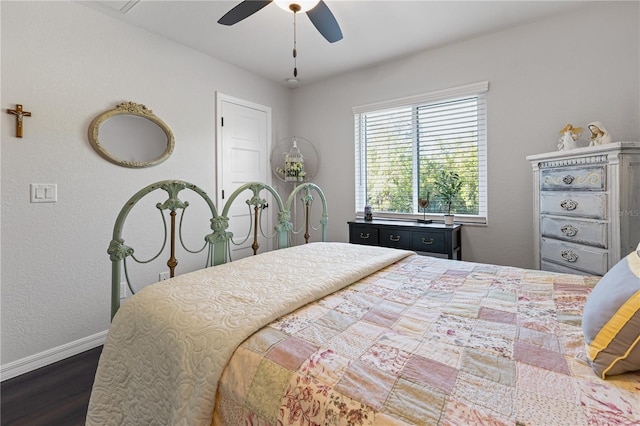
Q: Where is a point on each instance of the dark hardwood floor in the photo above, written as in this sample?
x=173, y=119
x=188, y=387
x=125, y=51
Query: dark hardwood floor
x=57, y=394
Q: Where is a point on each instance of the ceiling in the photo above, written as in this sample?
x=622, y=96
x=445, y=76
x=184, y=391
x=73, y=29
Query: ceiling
x=375, y=31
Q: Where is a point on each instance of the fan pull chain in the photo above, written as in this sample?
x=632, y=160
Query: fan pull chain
x=295, y=51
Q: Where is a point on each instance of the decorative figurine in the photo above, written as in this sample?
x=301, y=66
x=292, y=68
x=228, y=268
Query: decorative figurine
x=368, y=213
x=569, y=137
x=599, y=135
x=424, y=203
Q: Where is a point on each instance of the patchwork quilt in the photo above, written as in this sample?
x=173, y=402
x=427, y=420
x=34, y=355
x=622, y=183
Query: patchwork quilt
x=429, y=341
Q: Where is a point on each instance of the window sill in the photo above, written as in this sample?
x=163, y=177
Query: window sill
x=466, y=220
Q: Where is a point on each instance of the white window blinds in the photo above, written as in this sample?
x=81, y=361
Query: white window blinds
x=402, y=147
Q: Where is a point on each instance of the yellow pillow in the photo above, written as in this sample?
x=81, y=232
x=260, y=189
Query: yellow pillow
x=611, y=319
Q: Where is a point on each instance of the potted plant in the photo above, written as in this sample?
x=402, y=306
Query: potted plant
x=448, y=187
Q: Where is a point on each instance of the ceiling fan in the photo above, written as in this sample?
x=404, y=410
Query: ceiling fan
x=317, y=11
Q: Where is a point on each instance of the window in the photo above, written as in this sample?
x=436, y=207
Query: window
x=403, y=146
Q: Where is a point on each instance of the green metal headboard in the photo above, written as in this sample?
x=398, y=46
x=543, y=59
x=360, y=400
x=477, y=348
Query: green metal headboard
x=217, y=243
x=307, y=199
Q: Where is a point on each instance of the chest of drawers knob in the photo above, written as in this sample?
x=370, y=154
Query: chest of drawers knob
x=428, y=242
x=569, y=230
x=364, y=236
x=394, y=238
x=569, y=256
x=569, y=204
x=568, y=179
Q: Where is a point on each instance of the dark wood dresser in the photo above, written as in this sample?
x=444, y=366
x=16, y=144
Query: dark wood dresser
x=427, y=238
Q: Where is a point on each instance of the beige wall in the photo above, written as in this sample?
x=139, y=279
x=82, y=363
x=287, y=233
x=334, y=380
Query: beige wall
x=573, y=68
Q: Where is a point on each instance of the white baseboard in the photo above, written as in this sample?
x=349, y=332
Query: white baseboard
x=42, y=359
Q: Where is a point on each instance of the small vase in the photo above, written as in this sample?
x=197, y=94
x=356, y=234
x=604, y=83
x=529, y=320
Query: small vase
x=448, y=219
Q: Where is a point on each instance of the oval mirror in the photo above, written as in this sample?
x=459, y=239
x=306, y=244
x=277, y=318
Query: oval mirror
x=130, y=135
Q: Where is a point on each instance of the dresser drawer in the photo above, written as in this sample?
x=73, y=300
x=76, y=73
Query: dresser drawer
x=589, y=259
x=578, y=204
x=554, y=267
x=395, y=238
x=364, y=235
x=581, y=231
x=428, y=241
x=574, y=178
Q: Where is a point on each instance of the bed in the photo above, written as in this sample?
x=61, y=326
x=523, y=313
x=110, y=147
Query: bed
x=336, y=333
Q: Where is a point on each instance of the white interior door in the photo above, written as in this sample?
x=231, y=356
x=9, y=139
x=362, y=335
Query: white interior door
x=244, y=141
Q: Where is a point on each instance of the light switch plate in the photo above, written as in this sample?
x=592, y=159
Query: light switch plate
x=44, y=192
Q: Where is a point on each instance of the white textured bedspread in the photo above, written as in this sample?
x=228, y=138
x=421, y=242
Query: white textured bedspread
x=167, y=345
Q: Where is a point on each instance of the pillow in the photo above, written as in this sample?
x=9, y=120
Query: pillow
x=611, y=319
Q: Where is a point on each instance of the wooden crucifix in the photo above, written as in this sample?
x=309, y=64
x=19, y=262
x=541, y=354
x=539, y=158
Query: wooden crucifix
x=20, y=114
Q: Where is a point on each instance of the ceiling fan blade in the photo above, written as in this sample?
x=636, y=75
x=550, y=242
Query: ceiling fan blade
x=242, y=11
x=325, y=22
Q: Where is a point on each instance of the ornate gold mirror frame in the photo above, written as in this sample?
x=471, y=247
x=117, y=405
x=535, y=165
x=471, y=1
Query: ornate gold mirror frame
x=149, y=145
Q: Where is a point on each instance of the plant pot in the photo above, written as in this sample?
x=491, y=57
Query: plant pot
x=448, y=219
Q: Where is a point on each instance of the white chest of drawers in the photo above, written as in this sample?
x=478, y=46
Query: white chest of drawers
x=586, y=207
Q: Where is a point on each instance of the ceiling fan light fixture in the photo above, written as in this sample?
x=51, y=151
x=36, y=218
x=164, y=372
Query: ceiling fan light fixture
x=296, y=6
